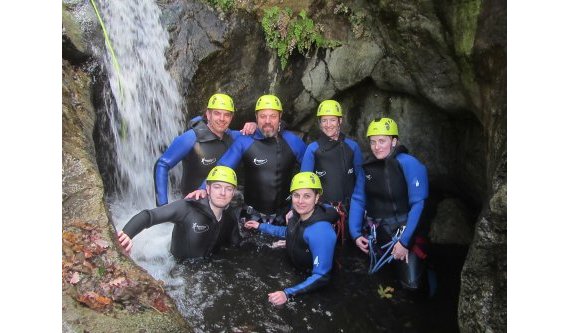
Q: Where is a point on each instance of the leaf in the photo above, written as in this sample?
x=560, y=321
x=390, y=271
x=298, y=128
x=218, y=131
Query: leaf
x=159, y=304
x=118, y=282
x=94, y=300
x=74, y=278
x=101, y=243
x=385, y=292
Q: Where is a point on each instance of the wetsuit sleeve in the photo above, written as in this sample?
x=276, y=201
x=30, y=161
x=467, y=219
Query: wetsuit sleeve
x=416, y=177
x=273, y=230
x=232, y=156
x=173, y=212
x=297, y=145
x=308, y=163
x=356, y=213
x=235, y=237
x=321, y=239
x=179, y=148
x=234, y=134
x=196, y=119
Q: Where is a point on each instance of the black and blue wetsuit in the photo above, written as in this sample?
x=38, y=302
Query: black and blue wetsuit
x=338, y=163
x=196, y=232
x=269, y=165
x=393, y=195
x=199, y=150
x=310, y=245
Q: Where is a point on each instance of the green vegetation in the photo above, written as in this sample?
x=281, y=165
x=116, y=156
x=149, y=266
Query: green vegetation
x=285, y=32
x=357, y=20
x=223, y=5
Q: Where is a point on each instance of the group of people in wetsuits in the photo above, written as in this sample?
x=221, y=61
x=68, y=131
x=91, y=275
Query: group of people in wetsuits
x=384, y=193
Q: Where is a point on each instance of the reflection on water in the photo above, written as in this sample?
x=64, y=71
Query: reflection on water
x=228, y=292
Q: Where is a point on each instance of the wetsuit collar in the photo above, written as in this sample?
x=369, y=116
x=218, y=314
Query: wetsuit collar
x=399, y=149
x=321, y=213
x=204, y=134
x=327, y=143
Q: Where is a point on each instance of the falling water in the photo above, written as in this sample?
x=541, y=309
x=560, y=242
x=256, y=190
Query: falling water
x=148, y=107
x=145, y=114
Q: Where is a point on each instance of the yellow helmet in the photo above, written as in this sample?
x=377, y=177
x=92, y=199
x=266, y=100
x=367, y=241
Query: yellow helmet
x=306, y=180
x=384, y=126
x=268, y=102
x=222, y=173
x=221, y=102
x=329, y=108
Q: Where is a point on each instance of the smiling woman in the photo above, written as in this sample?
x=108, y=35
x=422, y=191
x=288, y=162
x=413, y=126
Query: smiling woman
x=310, y=237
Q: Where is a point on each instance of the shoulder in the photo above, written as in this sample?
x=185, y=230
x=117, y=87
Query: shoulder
x=352, y=144
x=406, y=159
x=243, y=140
x=294, y=141
x=291, y=136
x=313, y=145
x=233, y=211
x=320, y=230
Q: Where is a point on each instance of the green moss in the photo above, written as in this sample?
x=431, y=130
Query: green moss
x=357, y=19
x=286, y=32
x=223, y=5
x=465, y=26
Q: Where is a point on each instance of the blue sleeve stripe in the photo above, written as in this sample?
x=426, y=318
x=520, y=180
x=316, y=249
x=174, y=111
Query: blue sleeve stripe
x=178, y=149
x=297, y=145
x=308, y=163
x=416, y=177
x=234, y=134
x=232, y=157
x=273, y=230
x=321, y=239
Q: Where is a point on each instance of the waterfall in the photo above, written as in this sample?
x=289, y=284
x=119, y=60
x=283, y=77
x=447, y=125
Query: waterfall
x=147, y=112
x=145, y=115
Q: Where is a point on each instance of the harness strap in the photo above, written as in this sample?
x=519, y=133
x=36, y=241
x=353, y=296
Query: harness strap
x=386, y=249
x=340, y=225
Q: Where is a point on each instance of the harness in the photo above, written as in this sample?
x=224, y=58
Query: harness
x=381, y=255
x=375, y=263
x=340, y=225
x=395, y=227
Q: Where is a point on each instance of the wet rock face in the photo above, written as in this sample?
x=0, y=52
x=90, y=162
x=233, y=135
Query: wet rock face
x=428, y=65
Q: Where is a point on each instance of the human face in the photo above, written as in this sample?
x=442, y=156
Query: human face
x=268, y=122
x=330, y=125
x=381, y=145
x=220, y=193
x=219, y=120
x=304, y=201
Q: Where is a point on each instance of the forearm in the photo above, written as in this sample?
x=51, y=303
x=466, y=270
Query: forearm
x=161, y=182
x=273, y=230
x=412, y=223
x=137, y=224
x=315, y=281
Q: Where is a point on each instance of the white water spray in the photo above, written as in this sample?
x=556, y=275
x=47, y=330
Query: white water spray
x=146, y=117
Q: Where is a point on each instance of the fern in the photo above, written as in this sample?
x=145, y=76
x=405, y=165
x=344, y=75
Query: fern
x=285, y=32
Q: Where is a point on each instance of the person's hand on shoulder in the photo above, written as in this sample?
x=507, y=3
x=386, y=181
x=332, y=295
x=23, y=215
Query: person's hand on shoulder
x=198, y=194
x=248, y=128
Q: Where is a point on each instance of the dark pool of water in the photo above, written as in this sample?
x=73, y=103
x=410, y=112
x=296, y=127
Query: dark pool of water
x=228, y=292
